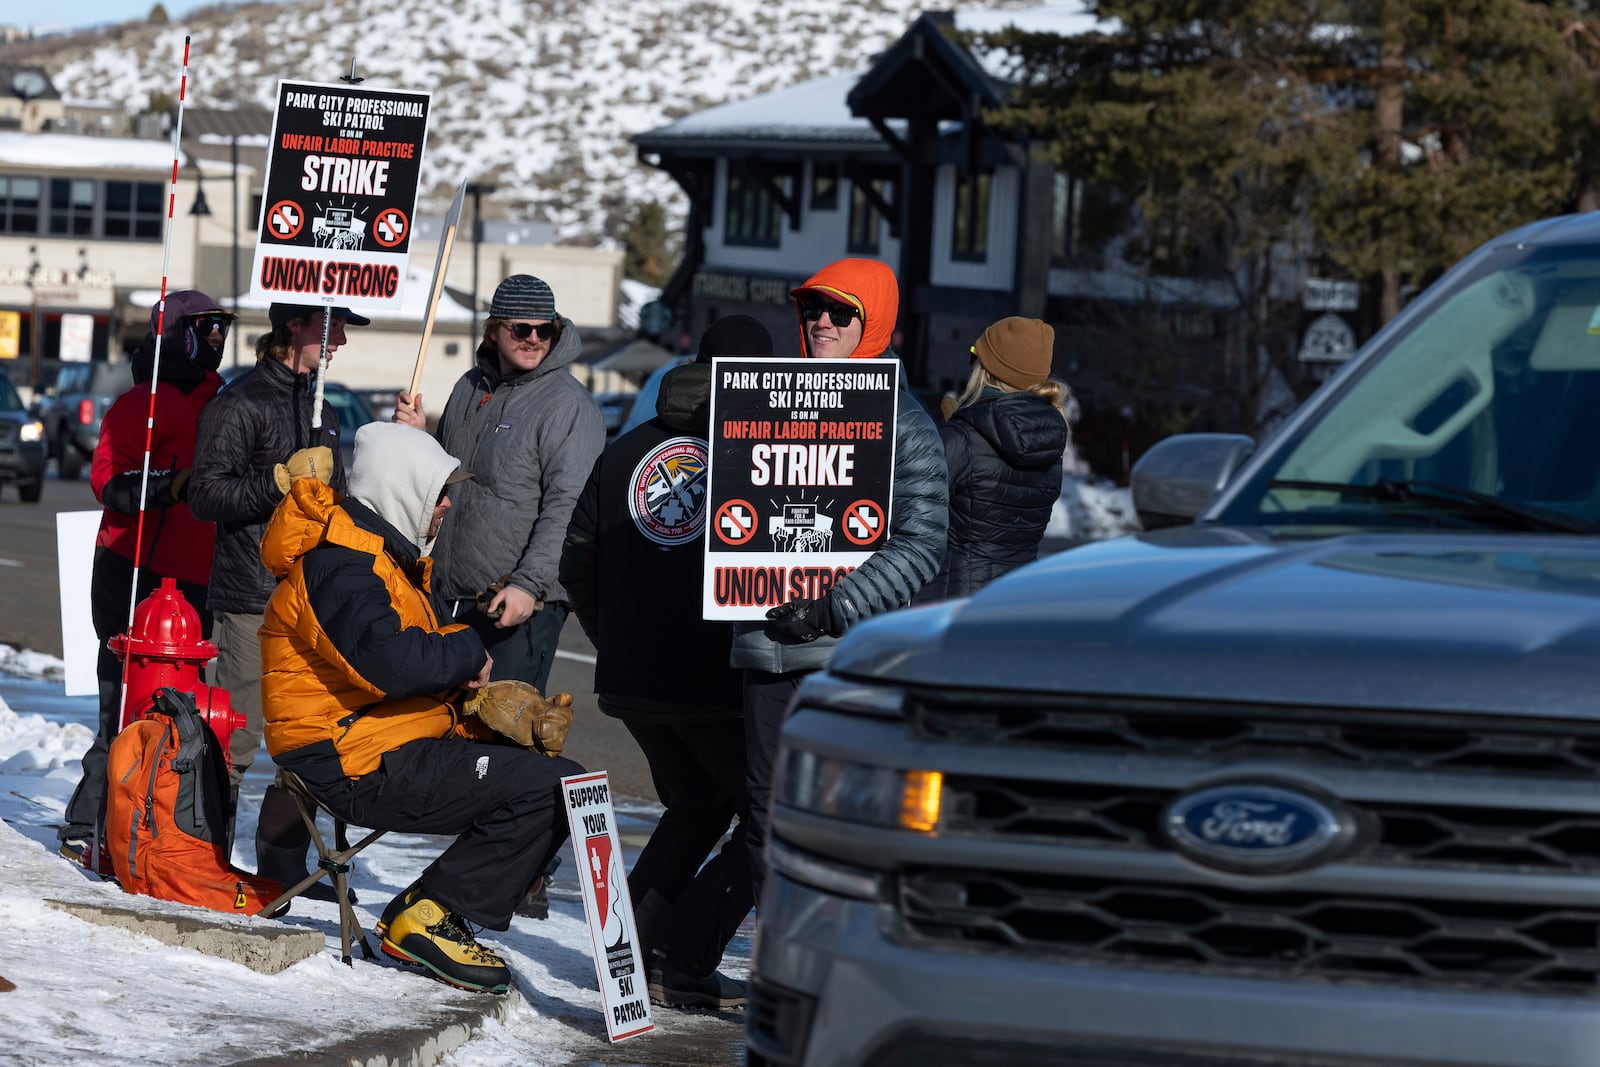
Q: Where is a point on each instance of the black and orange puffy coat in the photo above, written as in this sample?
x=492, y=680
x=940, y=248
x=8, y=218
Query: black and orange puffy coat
x=352, y=650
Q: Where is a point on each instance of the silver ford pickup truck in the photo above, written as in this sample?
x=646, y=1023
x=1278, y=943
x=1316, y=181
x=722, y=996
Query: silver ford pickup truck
x=1308, y=773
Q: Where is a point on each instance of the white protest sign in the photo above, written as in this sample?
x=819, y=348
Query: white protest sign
x=339, y=195
x=624, y=995
x=75, y=536
x=801, y=477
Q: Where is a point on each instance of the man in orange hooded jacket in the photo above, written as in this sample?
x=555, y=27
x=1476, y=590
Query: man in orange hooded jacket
x=847, y=310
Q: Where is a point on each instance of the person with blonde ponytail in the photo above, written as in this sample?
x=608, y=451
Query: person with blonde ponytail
x=1003, y=441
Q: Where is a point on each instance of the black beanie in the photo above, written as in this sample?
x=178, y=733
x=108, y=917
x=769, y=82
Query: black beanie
x=734, y=335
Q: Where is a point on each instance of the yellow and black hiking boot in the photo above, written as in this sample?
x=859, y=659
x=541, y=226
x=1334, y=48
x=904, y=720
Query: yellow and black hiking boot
x=426, y=934
x=410, y=896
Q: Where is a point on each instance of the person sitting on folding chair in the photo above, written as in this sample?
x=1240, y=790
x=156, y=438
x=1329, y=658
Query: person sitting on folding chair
x=362, y=686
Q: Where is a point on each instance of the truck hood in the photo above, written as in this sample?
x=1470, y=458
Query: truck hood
x=1505, y=624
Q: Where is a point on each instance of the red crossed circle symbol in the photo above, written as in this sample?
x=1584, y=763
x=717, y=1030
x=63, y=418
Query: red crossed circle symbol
x=390, y=227
x=863, y=522
x=285, y=219
x=736, y=522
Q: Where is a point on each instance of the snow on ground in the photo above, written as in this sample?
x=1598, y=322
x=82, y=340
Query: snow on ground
x=81, y=986
x=1091, y=509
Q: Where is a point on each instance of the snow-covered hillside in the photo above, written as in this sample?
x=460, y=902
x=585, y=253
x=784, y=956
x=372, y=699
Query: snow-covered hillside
x=539, y=96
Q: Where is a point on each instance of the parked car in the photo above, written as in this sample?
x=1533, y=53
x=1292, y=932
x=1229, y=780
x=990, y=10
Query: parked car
x=73, y=404
x=23, y=450
x=1311, y=779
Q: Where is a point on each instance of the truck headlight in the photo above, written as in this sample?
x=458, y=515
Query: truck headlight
x=32, y=431
x=858, y=792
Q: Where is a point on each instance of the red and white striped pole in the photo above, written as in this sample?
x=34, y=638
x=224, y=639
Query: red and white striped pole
x=155, y=374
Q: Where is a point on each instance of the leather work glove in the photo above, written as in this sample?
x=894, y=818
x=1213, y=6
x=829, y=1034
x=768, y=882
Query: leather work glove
x=800, y=620
x=315, y=462
x=515, y=710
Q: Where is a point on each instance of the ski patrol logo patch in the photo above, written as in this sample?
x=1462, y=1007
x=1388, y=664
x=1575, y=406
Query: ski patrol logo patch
x=667, y=494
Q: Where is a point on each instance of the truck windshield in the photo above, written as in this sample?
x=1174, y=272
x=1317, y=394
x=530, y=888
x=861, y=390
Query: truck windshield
x=1484, y=411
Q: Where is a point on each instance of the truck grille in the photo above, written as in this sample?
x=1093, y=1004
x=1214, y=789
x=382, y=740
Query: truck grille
x=1380, y=740
x=1406, y=834
x=1474, y=944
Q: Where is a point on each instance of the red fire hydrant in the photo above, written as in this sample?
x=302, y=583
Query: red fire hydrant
x=165, y=648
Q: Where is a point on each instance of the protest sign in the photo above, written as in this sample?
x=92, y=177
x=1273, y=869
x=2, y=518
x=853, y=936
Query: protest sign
x=801, y=478
x=340, y=195
x=624, y=993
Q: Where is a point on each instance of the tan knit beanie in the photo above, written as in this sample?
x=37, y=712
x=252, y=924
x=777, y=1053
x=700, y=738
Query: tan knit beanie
x=1017, y=351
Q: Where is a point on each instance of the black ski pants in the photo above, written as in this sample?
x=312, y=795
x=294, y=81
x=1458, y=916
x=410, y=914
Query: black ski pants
x=502, y=801
x=689, y=910
x=766, y=704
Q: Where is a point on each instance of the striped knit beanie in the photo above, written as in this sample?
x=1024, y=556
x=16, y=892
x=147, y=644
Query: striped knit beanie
x=522, y=296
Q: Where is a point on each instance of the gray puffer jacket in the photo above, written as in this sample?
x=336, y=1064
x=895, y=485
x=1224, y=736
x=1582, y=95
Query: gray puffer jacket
x=918, y=521
x=529, y=440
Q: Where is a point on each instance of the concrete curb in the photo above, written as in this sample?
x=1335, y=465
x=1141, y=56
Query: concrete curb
x=266, y=949
x=414, y=1046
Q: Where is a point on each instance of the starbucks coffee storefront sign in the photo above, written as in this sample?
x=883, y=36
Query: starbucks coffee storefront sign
x=746, y=288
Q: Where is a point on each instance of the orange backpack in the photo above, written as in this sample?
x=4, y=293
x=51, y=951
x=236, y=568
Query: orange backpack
x=166, y=812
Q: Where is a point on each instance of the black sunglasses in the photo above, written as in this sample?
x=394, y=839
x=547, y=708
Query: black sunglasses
x=841, y=315
x=206, y=323
x=523, y=330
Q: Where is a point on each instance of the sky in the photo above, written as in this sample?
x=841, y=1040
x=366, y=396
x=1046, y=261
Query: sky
x=81, y=13
x=54, y=1018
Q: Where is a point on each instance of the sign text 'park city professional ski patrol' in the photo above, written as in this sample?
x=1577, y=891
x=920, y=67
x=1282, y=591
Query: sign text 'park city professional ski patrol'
x=339, y=200
x=802, y=475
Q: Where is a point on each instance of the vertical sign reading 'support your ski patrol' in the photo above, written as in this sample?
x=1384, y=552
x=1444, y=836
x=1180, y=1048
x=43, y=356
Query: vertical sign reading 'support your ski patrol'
x=801, y=480
x=624, y=994
x=340, y=195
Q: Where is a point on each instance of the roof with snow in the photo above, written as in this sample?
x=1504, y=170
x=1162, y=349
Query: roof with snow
x=813, y=111
x=77, y=151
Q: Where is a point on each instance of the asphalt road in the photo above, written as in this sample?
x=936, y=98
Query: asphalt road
x=30, y=617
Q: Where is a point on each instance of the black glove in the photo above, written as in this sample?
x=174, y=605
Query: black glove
x=800, y=620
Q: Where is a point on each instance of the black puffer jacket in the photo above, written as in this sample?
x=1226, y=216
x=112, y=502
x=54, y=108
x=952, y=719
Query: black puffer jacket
x=634, y=565
x=256, y=422
x=1004, y=454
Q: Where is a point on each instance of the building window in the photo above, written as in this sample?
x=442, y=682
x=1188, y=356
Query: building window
x=1066, y=206
x=133, y=210
x=825, y=187
x=865, y=218
x=19, y=204
x=71, y=207
x=970, y=234
x=753, y=216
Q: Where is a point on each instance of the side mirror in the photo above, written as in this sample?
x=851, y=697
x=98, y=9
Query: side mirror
x=1175, y=480
x=35, y=409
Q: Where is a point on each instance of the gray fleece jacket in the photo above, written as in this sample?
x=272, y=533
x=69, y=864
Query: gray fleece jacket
x=530, y=441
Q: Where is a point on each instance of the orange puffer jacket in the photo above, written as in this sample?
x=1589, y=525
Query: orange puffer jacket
x=351, y=649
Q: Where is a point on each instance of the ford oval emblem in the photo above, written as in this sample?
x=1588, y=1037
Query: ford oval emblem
x=1255, y=828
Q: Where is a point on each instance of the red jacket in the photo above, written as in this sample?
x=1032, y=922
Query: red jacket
x=175, y=543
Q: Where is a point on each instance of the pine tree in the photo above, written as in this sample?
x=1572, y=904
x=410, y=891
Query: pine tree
x=158, y=15
x=1251, y=138
x=650, y=245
